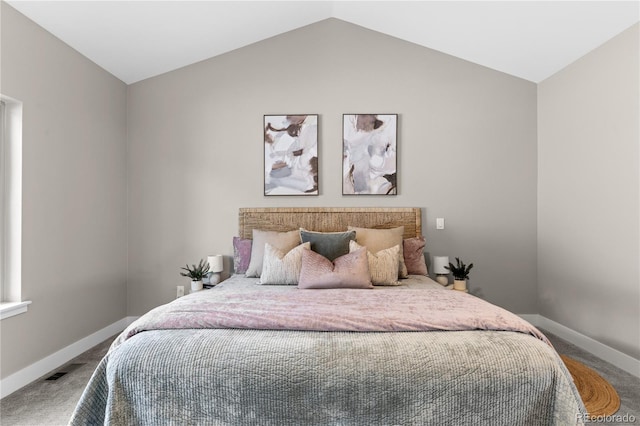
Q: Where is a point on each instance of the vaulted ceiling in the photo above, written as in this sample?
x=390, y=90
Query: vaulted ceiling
x=135, y=40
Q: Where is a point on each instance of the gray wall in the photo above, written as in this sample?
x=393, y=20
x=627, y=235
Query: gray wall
x=467, y=152
x=588, y=195
x=74, y=193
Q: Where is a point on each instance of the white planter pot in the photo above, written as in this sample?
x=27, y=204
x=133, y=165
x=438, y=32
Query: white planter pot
x=460, y=285
x=196, y=285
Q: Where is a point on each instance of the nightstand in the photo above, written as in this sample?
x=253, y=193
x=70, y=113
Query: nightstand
x=208, y=286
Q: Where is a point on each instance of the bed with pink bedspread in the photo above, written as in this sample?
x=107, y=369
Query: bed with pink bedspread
x=249, y=354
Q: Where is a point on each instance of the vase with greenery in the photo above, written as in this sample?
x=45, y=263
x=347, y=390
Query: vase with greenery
x=196, y=273
x=460, y=273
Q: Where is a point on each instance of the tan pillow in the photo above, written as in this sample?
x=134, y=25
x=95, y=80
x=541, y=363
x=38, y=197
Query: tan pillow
x=284, y=241
x=383, y=265
x=380, y=239
x=279, y=267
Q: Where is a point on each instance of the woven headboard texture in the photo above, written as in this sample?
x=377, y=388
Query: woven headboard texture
x=328, y=219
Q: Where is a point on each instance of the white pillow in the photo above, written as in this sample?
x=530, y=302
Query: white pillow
x=279, y=267
x=383, y=265
x=284, y=241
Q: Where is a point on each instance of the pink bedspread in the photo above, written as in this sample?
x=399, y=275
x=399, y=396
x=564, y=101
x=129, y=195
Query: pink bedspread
x=245, y=305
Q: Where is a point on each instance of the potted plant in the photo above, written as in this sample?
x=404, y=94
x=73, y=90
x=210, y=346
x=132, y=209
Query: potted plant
x=196, y=273
x=460, y=273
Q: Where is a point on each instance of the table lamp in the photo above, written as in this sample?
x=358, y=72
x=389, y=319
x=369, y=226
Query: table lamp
x=215, y=267
x=442, y=273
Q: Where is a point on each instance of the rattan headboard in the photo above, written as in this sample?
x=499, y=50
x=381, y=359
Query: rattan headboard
x=328, y=219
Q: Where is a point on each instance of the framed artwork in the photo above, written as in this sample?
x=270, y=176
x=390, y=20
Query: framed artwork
x=291, y=154
x=369, y=162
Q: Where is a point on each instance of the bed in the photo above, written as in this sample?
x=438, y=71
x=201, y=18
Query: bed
x=245, y=353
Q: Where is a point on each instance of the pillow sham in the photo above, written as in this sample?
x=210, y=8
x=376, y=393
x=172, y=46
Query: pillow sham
x=383, y=265
x=241, y=254
x=284, y=241
x=279, y=267
x=379, y=239
x=413, y=249
x=348, y=271
x=329, y=244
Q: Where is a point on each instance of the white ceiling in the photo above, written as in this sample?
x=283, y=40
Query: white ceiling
x=135, y=40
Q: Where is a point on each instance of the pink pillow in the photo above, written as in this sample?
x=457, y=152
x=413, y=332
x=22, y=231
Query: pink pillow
x=348, y=271
x=241, y=254
x=414, y=256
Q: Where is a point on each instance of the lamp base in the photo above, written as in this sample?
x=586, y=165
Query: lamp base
x=214, y=278
x=442, y=279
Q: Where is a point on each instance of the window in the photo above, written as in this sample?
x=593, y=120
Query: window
x=2, y=206
x=11, y=208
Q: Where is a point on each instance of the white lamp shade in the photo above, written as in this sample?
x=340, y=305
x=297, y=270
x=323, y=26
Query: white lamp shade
x=439, y=263
x=215, y=263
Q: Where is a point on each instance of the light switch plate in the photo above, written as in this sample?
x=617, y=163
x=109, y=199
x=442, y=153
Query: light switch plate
x=440, y=223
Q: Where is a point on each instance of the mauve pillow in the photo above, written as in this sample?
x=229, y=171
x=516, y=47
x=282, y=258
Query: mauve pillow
x=241, y=254
x=348, y=271
x=414, y=256
x=284, y=241
x=329, y=244
x=380, y=239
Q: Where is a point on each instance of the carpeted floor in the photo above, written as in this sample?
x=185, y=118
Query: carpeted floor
x=627, y=386
x=46, y=402
x=51, y=402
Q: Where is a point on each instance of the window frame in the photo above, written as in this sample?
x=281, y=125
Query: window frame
x=3, y=207
x=11, y=302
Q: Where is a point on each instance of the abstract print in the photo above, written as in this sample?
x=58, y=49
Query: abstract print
x=290, y=155
x=369, y=154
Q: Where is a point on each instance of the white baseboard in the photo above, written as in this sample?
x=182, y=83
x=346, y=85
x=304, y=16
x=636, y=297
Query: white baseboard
x=602, y=351
x=17, y=380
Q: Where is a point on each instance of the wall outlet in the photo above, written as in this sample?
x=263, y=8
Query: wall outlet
x=180, y=291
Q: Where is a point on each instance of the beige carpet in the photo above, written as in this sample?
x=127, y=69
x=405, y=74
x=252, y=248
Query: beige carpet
x=51, y=402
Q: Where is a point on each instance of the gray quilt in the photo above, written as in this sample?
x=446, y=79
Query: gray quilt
x=179, y=371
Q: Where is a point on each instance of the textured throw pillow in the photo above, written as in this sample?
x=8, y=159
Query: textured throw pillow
x=329, y=244
x=241, y=254
x=279, y=267
x=414, y=256
x=284, y=241
x=383, y=265
x=348, y=271
x=379, y=239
